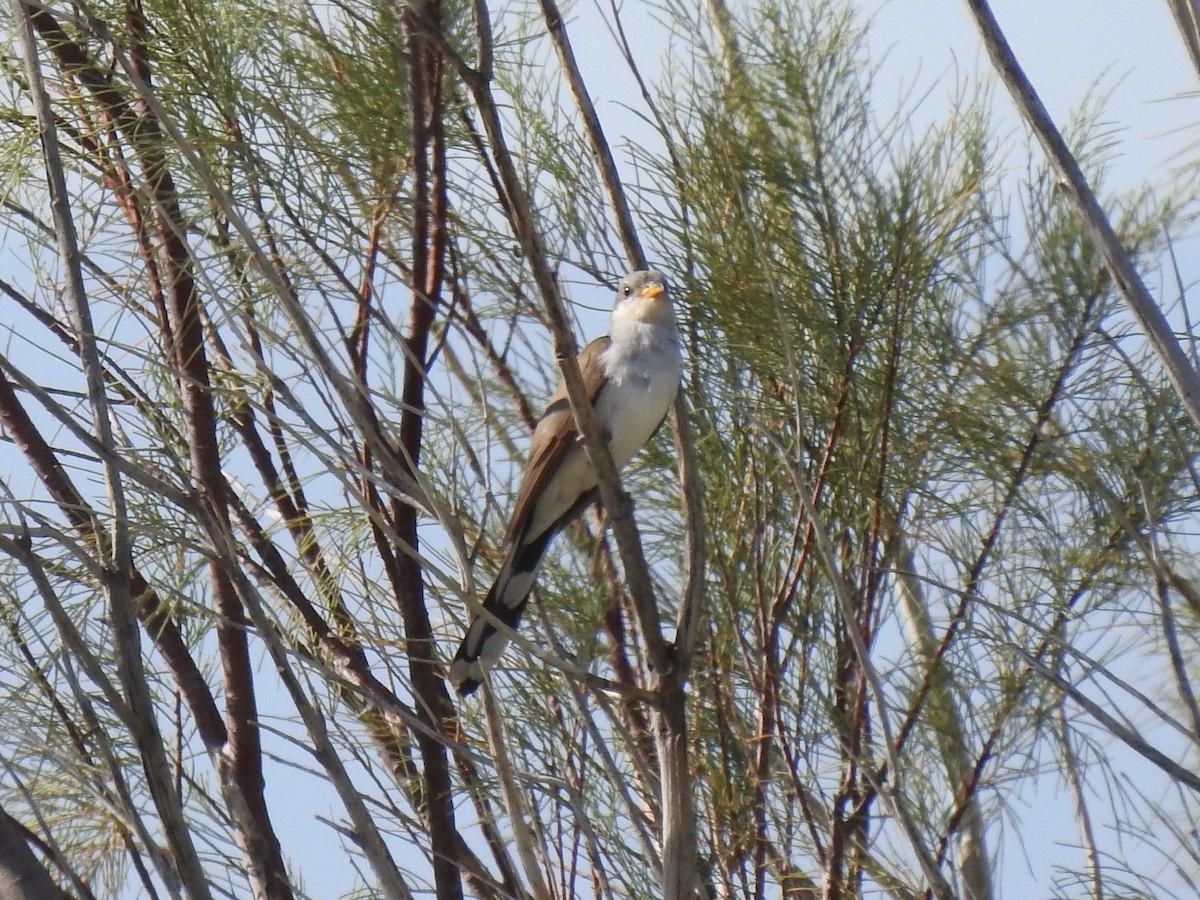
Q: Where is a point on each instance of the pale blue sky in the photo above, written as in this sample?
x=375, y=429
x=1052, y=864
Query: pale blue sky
x=1129, y=47
x=1128, y=50
x=1067, y=47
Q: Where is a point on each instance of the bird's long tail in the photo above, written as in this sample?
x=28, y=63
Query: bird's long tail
x=506, y=600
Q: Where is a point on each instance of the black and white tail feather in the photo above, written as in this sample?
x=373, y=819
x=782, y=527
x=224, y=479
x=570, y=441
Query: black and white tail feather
x=632, y=376
x=484, y=643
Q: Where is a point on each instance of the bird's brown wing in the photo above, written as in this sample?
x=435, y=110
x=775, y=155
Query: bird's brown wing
x=555, y=437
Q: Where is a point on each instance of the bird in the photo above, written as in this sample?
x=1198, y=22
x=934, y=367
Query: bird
x=632, y=376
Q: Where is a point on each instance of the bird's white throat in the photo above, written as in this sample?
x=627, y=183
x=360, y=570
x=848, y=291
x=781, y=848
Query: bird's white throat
x=644, y=342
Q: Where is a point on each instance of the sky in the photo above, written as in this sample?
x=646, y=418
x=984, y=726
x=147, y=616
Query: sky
x=1068, y=48
x=1128, y=48
x=1127, y=51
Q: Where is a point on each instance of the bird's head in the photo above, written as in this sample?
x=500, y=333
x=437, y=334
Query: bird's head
x=643, y=297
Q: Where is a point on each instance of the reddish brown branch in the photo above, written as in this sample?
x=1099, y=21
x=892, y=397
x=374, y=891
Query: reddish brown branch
x=152, y=612
x=359, y=339
x=422, y=27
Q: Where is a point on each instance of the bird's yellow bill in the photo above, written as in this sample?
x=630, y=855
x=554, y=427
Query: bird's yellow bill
x=652, y=290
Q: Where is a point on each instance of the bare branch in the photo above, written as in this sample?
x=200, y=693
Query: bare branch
x=511, y=793
x=21, y=877
x=1144, y=308
x=1116, y=728
x=601, y=153
x=1187, y=18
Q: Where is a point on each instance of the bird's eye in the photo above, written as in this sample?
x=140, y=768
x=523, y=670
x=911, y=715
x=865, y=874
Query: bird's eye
x=627, y=290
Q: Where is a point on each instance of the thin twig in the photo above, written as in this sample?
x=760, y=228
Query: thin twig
x=366, y=833
x=510, y=791
x=1178, y=664
x=1126, y=735
x=1075, y=784
x=601, y=153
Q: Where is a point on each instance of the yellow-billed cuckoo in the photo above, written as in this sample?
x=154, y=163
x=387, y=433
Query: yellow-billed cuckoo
x=631, y=376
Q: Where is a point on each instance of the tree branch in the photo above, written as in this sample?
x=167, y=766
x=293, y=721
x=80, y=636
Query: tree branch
x=1071, y=179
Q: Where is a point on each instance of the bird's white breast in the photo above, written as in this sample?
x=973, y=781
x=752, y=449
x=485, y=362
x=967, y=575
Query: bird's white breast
x=642, y=365
x=643, y=368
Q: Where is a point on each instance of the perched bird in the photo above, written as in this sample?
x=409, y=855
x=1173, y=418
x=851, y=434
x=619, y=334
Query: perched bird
x=631, y=376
